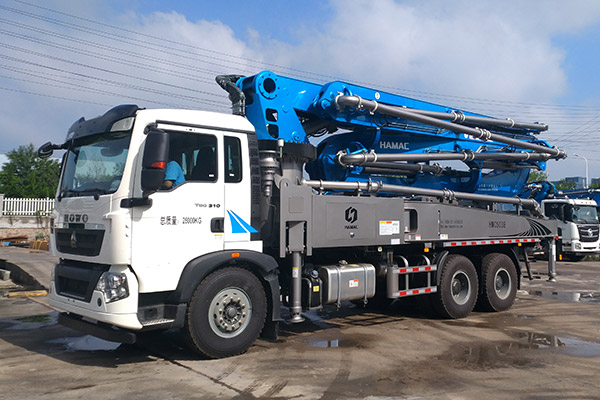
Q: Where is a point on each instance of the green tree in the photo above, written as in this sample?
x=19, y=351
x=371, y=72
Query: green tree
x=537, y=176
x=595, y=185
x=564, y=184
x=27, y=175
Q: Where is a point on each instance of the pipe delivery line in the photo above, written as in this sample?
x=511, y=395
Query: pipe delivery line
x=483, y=134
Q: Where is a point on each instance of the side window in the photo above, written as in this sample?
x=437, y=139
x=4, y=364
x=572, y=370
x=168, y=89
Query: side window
x=233, y=160
x=194, y=155
x=553, y=211
x=203, y=157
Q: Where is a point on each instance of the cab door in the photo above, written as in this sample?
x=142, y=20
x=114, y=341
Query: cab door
x=238, y=180
x=185, y=221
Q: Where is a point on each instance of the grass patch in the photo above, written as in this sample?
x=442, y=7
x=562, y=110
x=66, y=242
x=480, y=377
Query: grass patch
x=34, y=318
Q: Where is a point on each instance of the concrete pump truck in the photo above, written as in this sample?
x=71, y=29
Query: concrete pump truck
x=264, y=217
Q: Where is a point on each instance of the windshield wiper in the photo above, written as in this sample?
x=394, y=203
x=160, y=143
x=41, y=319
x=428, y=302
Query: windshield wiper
x=94, y=190
x=65, y=193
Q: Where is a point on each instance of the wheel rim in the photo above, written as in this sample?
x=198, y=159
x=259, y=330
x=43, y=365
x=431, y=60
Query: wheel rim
x=230, y=312
x=502, y=284
x=461, y=287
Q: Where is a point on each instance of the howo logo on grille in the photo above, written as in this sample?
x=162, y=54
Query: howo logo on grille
x=351, y=215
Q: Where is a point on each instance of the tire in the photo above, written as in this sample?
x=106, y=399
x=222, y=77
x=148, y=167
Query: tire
x=499, y=283
x=226, y=314
x=457, y=292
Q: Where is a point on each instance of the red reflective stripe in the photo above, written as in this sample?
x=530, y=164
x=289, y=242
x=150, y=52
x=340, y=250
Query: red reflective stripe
x=402, y=270
x=427, y=268
x=452, y=244
x=473, y=243
x=427, y=290
x=159, y=164
x=415, y=292
x=463, y=243
x=416, y=269
x=402, y=293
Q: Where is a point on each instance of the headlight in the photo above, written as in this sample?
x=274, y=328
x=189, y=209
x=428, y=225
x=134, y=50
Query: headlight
x=113, y=285
x=577, y=246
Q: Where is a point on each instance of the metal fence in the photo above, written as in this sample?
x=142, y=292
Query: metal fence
x=26, y=207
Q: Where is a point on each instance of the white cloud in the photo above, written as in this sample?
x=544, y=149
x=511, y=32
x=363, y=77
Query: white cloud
x=499, y=50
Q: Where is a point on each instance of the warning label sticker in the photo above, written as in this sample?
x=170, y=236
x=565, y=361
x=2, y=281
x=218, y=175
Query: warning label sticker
x=389, y=228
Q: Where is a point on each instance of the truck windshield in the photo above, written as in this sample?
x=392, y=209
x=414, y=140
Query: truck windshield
x=584, y=214
x=94, y=165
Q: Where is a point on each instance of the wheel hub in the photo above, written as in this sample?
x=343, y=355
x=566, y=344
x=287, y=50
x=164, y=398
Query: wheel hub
x=502, y=284
x=229, y=312
x=461, y=287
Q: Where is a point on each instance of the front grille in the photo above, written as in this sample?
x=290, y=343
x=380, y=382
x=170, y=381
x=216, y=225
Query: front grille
x=77, y=279
x=80, y=241
x=588, y=233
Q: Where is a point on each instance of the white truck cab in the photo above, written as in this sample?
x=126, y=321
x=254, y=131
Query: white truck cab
x=104, y=221
x=578, y=225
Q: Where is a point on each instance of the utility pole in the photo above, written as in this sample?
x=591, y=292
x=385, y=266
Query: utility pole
x=587, y=178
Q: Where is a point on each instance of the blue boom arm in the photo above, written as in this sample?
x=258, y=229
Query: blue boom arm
x=394, y=139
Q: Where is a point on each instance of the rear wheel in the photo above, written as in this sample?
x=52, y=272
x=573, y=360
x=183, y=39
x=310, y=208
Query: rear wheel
x=226, y=313
x=457, y=291
x=499, y=283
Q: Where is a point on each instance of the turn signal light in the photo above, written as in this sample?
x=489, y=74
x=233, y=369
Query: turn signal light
x=159, y=164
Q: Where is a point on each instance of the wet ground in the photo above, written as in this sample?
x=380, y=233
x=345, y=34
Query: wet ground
x=546, y=347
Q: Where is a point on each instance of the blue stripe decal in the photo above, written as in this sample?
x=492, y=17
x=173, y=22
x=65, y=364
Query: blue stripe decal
x=238, y=225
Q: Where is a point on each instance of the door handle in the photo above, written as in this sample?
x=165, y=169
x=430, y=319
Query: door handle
x=217, y=225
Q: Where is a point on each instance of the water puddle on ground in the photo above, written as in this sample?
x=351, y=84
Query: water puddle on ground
x=570, y=297
x=86, y=343
x=324, y=344
x=522, y=351
x=30, y=322
x=335, y=338
x=339, y=341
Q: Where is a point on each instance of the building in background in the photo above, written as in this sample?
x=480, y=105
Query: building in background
x=578, y=180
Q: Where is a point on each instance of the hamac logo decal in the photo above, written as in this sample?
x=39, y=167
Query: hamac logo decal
x=351, y=215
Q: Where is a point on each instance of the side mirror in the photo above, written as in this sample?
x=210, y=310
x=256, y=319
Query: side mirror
x=154, y=161
x=46, y=150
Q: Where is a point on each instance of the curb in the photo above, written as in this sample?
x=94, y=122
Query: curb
x=21, y=276
x=28, y=293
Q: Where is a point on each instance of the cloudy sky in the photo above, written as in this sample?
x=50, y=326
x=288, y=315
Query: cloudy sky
x=528, y=60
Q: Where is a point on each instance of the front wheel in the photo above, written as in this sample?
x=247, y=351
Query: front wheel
x=226, y=313
x=499, y=283
x=457, y=291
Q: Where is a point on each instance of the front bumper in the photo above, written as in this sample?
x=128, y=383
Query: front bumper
x=93, y=306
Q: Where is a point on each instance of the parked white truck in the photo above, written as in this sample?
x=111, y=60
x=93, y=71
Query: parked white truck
x=241, y=231
x=578, y=226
